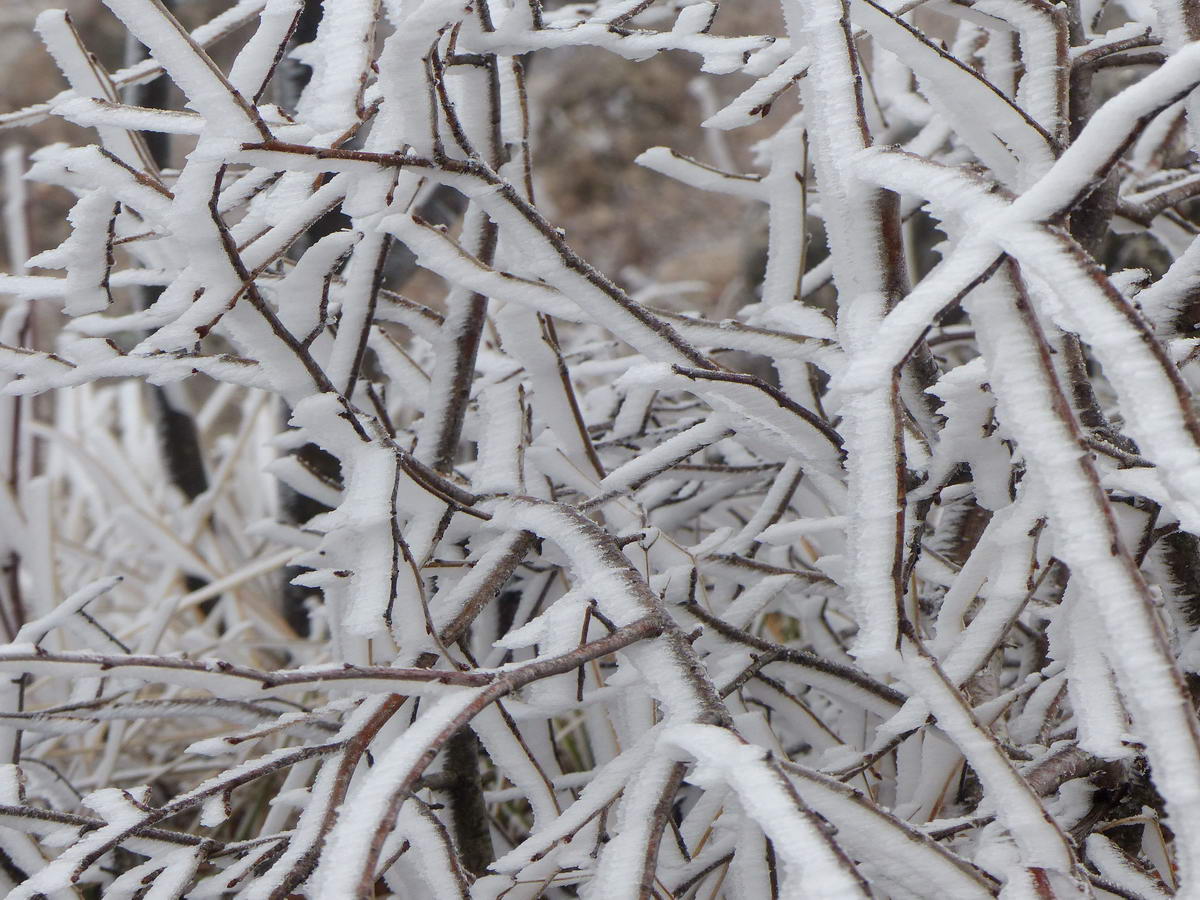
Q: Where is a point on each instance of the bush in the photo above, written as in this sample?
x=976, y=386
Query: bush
x=362, y=538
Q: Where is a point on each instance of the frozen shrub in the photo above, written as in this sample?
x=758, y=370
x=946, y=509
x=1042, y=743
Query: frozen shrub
x=522, y=584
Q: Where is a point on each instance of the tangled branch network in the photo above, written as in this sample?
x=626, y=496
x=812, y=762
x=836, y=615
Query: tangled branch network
x=887, y=586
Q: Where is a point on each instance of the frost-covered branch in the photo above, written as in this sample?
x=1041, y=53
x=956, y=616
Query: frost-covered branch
x=873, y=574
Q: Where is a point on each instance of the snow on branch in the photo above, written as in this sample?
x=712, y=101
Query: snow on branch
x=367, y=532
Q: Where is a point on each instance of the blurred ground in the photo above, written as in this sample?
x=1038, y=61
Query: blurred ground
x=596, y=112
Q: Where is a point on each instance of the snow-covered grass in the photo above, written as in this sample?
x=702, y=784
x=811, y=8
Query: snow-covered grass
x=359, y=537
